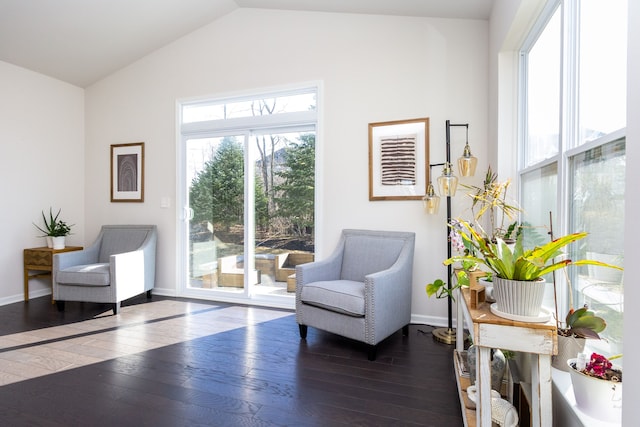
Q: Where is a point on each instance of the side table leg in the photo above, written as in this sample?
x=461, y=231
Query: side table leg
x=26, y=285
x=483, y=387
x=541, y=389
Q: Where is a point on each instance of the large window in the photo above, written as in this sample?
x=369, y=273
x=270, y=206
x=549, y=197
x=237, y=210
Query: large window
x=248, y=189
x=572, y=162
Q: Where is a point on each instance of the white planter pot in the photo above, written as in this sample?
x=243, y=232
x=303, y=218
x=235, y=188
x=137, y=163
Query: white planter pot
x=58, y=242
x=522, y=298
x=601, y=399
x=568, y=348
x=49, y=241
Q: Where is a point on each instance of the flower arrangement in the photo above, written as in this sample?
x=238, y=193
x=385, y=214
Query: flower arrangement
x=438, y=287
x=599, y=366
x=491, y=199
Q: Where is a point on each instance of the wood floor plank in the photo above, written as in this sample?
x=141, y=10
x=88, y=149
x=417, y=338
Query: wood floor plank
x=178, y=362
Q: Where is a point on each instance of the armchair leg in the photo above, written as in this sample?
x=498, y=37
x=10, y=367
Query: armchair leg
x=303, y=331
x=372, y=353
x=60, y=305
x=116, y=308
x=405, y=330
x=149, y=294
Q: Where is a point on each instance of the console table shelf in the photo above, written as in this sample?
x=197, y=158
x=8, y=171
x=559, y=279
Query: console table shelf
x=468, y=415
x=490, y=331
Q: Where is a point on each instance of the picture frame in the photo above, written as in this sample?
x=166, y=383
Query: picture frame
x=398, y=159
x=127, y=172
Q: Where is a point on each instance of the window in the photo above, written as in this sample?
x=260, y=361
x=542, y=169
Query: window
x=248, y=189
x=543, y=94
x=571, y=173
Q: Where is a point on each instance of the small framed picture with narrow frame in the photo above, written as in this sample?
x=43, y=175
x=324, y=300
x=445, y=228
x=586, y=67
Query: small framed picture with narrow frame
x=127, y=172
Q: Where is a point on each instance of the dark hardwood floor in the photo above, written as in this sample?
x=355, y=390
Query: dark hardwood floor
x=255, y=372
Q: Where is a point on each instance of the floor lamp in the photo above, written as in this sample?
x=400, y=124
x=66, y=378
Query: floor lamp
x=447, y=184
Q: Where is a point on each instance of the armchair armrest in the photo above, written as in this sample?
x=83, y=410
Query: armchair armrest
x=327, y=269
x=135, y=270
x=127, y=272
x=392, y=286
x=69, y=259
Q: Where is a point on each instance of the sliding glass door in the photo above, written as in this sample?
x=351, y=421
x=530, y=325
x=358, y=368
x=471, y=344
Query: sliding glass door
x=248, y=189
x=284, y=172
x=216, y=187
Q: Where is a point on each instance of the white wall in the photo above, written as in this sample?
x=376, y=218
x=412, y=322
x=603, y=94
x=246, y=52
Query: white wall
x=41, y=166
x=373, y=68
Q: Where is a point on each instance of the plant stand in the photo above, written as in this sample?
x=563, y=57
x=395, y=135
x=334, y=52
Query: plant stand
x=491, y=331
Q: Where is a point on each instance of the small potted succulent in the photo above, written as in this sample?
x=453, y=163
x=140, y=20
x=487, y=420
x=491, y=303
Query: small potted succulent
x=579, y=325
x=54, y=230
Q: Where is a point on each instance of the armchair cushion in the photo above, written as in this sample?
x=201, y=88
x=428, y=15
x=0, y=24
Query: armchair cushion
x=341, y=296
x=86, y=275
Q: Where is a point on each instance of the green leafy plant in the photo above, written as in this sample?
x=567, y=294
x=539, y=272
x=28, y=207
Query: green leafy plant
x=52, y=226
x=62, y=229
x=519, y=263
x=582, y=323
x=438, y=287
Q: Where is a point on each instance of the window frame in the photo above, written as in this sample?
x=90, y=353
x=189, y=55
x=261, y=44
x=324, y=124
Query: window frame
x=569, y=144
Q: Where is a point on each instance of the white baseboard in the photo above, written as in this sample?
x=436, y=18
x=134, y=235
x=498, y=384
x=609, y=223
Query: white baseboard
x=20, y=297
x=430, y=320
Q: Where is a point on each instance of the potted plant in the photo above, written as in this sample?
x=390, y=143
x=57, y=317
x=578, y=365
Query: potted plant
x=490, y=200
x=54, y=230
x=597, y=386
x=517, y=272
x=579, y=325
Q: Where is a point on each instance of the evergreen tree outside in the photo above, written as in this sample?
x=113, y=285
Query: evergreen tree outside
x=297, y=188
x=217, y=191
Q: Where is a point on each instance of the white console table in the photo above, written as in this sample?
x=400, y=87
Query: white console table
x=490, y=331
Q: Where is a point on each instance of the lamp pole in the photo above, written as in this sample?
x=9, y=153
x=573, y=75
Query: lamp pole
x=448, y=335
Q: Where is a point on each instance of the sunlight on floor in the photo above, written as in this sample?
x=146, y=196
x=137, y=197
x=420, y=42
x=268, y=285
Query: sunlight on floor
x=136, y=329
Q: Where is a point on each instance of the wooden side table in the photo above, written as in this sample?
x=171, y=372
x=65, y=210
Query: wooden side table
x=491, y=331
x=40, y=261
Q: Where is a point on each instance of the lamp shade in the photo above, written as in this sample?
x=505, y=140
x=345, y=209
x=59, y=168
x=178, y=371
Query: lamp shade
x=447, y=182
x=467, y=163
x=431, y=201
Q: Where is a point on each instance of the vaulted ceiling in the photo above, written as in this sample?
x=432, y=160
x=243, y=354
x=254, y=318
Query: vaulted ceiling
x=82, y=41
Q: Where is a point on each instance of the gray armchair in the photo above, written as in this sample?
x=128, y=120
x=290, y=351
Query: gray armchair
x=362, y=290
x=120, y=264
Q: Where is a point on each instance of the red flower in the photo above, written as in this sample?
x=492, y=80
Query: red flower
x=598, y=365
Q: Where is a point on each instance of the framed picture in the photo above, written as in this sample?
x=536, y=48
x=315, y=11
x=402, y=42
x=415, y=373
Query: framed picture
x=398, y=159
x=127, y=172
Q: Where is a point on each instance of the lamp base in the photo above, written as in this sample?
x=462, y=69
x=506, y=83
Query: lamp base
x=447, y=335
